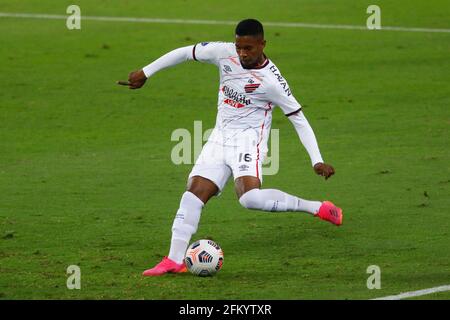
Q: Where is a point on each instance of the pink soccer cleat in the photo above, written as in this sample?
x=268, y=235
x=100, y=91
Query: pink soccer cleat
x=329, y=212
x=165, y=266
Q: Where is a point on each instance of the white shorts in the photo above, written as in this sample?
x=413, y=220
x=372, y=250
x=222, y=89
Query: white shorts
x=217, y=162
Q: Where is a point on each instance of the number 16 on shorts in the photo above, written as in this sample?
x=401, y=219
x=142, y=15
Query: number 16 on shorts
x=247, y=157
x=248, y=165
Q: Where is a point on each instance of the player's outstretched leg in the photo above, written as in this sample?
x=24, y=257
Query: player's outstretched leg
x=330, y=212
x=276, y=200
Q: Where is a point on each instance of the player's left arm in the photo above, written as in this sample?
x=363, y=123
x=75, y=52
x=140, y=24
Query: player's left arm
x=309, y=141
x=283, y=97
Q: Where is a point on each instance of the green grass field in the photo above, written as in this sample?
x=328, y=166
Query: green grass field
x=86, y=176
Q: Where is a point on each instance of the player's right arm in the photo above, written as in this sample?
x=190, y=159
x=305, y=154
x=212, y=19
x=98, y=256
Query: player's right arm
x=136, y=79
x=204, y=52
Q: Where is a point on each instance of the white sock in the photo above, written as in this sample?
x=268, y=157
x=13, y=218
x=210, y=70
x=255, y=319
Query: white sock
x=184, y=225
x=276, y=200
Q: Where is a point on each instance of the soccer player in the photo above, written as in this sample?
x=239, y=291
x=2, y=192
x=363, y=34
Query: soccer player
x=251, y=85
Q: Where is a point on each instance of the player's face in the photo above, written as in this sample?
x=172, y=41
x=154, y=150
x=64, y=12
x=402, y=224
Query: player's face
x=250, y=50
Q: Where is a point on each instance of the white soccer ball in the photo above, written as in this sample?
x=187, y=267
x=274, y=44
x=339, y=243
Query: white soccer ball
x=204, y=258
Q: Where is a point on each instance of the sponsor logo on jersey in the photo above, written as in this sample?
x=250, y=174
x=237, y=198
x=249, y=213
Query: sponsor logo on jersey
x=227, y=68
x=249, y=88
x=281, y=80
x=235, y=99
x=233, y=103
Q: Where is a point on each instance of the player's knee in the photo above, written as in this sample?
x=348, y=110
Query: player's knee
x=252, y=200
x=202, y=188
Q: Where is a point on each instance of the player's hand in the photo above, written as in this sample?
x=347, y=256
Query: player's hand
x=323, y=169
x=136, y=79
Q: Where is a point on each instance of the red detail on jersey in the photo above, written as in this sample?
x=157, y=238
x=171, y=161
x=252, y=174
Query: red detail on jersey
x=257, y=172
x=232, y=59
x=233, y=103
x=265, y=63
x=249, y=88
x=255, y=75
x=257, y=146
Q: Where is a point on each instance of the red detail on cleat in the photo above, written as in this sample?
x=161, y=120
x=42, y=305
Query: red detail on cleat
x=165, y=266
x=329, y=212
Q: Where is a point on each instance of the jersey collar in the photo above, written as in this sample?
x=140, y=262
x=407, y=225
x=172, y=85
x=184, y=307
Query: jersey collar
x=262, y=65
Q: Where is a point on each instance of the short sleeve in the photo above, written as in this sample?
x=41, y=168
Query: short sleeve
x=282, y=96
x=209, y=52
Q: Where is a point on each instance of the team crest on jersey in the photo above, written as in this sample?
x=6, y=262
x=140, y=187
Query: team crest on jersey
x=249, y=88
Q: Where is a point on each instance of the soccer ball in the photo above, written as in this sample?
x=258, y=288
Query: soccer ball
x=204, y=258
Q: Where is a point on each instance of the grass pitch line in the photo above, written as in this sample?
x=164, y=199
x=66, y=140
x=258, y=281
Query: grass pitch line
x=217, y=22
x=417, y=293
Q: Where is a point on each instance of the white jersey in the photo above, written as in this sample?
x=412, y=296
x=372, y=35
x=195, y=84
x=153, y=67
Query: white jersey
x=246, y=99
x=246, y=96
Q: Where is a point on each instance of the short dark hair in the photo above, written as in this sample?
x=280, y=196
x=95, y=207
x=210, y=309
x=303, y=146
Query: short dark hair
x=249, y=27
